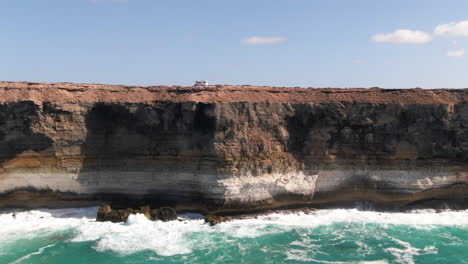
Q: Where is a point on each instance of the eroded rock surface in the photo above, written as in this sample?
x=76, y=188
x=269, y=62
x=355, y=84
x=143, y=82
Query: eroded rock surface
x=166, y=214
x=106, y=213
x=230, y=148
x=214, y=219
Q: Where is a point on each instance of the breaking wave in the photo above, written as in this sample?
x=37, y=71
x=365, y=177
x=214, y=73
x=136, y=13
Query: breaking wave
x=305, y=237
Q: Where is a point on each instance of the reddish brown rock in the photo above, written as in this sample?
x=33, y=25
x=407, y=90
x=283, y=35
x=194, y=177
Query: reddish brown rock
x=105, y=213
x=214, y=219
x=73, y=92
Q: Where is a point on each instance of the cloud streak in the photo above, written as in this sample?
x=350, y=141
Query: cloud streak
x=263, y=40
x=403, y=36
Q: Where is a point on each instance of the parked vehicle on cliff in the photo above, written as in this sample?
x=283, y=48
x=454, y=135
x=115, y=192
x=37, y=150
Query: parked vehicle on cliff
x=201, y=83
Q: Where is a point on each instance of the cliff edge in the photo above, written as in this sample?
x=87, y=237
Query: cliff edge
x=231, y=148
x=71, y=92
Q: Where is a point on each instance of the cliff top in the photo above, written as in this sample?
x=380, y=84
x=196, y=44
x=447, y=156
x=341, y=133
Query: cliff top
x=72, y=92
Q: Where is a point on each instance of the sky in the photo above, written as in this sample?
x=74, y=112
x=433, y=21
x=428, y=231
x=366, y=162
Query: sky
x=305, y=43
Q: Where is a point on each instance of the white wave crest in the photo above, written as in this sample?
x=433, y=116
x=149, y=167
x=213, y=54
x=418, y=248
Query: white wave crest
x=407, y=254
x=177, y=237
x=40, y=251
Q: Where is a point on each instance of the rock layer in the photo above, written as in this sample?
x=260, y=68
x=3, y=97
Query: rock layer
x=230, y=148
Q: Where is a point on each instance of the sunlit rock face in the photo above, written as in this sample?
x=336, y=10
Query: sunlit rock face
x=230, y=148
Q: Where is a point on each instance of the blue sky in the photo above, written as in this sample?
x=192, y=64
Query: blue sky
x=307, y=43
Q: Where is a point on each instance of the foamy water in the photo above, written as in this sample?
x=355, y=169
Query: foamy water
x=292, y=237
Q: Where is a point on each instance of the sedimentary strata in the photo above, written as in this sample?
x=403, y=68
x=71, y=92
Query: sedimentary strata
x=230, y=148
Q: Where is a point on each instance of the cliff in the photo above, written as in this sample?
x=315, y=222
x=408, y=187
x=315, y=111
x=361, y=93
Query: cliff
x=231, y=148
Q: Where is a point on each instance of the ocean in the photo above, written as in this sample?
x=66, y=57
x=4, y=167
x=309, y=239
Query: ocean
x=69, y=236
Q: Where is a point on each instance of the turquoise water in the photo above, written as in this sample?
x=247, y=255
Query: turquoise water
x=325, y=236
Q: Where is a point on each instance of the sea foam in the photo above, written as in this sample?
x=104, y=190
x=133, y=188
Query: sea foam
x=177, y=237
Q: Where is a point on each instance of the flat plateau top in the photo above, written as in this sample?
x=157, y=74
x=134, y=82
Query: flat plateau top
x=72, y=92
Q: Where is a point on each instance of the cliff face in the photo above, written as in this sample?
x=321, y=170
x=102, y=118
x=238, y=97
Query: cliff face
x=223, y=148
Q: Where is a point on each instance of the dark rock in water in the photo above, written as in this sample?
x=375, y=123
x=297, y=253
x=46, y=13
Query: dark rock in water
x=215, y=219
x=105, y=213
x=115, y=216
x=144, y=210
x=167, y=214
x=154, y=214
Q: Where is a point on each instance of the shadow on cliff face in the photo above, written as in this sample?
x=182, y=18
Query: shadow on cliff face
x=140, y=153
x=363, y=140
x=16, y=135
x=369, y=134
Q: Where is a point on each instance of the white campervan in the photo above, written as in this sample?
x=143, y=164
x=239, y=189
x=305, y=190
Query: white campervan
x=201, y=83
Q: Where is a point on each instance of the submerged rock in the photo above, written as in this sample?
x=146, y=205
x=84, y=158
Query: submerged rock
x=215, y=219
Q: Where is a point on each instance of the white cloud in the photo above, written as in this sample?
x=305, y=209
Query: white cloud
x=456, y=53
x=264, y=40
x=403, y=36
x=452, y=29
